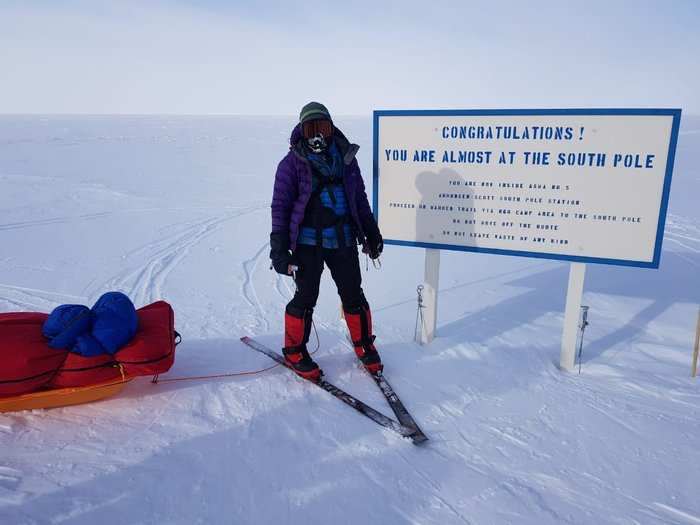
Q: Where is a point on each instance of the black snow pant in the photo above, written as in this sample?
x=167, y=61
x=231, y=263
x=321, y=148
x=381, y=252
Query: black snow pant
x=344, y=264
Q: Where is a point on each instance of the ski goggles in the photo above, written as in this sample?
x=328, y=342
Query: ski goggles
x=313, y=128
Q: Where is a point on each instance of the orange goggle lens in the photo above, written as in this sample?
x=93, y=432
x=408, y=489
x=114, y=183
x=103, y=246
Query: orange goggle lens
x=313, y=128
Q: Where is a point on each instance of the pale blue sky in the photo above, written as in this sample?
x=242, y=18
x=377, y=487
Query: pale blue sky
x=217, y=57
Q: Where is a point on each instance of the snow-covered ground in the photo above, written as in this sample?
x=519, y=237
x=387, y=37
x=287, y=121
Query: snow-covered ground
x=178, y=208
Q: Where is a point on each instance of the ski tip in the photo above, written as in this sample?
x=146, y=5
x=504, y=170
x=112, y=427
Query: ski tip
x=419, y=439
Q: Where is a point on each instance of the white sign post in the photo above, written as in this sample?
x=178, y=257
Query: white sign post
x=583, y=185
x=430, y=295
x=574, y=296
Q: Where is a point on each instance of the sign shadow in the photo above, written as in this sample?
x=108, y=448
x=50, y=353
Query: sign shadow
x=674, y=282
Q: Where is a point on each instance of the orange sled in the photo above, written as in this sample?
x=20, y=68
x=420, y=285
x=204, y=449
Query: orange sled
x=61, y=397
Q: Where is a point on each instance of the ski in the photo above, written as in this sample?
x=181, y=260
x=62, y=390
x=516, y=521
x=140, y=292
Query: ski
x=402, y=414
x=346, y=398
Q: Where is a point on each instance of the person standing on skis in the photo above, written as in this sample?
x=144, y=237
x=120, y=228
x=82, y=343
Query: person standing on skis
x=320, y=213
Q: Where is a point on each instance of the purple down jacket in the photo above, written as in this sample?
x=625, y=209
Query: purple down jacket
x=292, y=190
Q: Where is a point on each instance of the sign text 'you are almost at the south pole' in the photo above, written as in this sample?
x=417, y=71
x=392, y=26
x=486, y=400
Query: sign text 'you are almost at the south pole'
x=580, y=185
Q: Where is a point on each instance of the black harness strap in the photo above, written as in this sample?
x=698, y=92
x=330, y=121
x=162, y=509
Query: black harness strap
x=321, y=216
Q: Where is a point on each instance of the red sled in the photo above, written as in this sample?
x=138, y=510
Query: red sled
x=28, y=365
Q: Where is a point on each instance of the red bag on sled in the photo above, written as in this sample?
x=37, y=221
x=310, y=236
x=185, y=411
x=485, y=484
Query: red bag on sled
x=80, y=371
x=152, y=351
x=28, y=364
x=26, y=361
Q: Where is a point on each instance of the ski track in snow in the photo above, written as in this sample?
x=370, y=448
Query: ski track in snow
x=53, y=221
x=23, y=298
x=145, y=282
x=249, y=292
x=677, y=513
x=285, y=294
x=10, y=478
x=80, y=508
x=683, y=232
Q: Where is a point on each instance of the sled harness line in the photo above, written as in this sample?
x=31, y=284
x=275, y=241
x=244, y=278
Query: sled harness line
x=155, y=379
x=214, y=376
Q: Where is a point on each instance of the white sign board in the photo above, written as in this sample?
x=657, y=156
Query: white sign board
x=579, y=185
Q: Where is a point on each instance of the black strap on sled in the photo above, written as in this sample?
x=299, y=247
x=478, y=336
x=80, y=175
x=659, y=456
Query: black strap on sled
x=177, y=339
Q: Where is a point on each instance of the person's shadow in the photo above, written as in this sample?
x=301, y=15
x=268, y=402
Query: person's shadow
x=443, y=215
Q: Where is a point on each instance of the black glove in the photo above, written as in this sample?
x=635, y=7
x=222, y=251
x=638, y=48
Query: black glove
x=279, y=252
x=374, y=244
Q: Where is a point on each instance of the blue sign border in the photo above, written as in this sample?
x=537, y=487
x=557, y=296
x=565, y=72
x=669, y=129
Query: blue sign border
x=675, y=113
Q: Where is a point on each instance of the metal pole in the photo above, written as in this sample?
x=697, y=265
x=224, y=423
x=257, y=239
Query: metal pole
x=582, y=326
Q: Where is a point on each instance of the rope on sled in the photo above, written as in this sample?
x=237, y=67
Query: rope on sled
x=232, y=374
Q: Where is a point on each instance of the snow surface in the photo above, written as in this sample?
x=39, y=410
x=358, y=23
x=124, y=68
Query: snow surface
x=178, y=208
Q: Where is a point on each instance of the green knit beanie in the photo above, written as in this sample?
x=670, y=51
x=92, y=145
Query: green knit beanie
x=313, y=111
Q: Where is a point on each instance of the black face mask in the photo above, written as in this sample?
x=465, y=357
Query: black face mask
x=317, y=144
